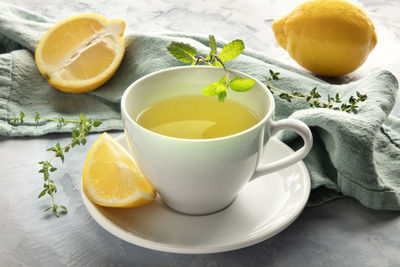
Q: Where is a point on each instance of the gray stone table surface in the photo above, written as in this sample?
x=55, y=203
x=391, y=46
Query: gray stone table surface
x=339, y=233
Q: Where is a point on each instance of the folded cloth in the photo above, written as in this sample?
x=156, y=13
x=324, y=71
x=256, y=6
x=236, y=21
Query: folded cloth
x=356, y=155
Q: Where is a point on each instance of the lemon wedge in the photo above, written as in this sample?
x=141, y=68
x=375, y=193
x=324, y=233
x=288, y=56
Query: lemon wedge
x=81, y=53
x=111, y=178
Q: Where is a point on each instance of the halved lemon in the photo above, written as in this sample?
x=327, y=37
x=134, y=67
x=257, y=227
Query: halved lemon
x=81, y=53
x=111, y=178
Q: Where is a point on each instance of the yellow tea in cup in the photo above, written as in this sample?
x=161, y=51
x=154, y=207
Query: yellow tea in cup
x=197, y=117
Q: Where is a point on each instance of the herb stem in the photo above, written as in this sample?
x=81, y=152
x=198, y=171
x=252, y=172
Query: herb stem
x=268, y=85
x=313, y=97
x=50, y=119
x=204, y=60
x=49, y=181
x=55, y=210
x=220, y=61
x=210, y=59
x=223, y=65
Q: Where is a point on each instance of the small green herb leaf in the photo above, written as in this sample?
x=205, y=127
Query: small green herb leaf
x=274, y=75
x=42, y=193
x=213, y=44
x=211, y=90
x=222, y=96
x=61, y=121
x=286, y=96
x=231, y=50
x=96, y=123
x=82, y=116
x=215, y=88
x=241, y=84
x=37, y=117
x=182, y=51
x=64, y=209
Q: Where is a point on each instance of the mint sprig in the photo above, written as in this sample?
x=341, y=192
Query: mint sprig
x=212, y=44
x=183, y=52
x=188, y=54
x=231, y=50
x=241, y=84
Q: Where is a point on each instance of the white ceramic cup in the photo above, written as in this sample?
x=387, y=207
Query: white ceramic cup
x=200, y=176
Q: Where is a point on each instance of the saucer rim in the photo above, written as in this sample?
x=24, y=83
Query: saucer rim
x=135, y=239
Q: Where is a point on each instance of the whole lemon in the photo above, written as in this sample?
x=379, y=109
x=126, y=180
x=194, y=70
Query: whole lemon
x=327, y=37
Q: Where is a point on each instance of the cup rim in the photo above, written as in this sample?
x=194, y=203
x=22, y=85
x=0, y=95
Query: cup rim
x=267, y=116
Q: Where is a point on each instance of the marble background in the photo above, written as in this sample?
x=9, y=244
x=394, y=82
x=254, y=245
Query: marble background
x=339, y=233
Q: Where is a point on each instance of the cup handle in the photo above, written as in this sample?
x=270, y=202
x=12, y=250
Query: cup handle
x=287, y=124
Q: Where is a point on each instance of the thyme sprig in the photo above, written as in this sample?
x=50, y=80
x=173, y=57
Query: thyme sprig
x=79, y=131
x=314, y=98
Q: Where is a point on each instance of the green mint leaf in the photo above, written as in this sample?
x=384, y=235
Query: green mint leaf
x=213, y=44
x=211, y=90
x=181, y=51
x=215, y=88
x=231, y=50
x=223, y=83
x=241, y=84
x=222, y=96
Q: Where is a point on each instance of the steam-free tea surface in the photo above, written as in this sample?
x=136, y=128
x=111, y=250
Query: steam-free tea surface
x=197, y=117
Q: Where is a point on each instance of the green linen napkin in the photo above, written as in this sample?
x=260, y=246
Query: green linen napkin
x=353, y=155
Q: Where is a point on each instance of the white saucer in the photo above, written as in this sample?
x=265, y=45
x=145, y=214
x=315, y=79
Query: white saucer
x=263, y=208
